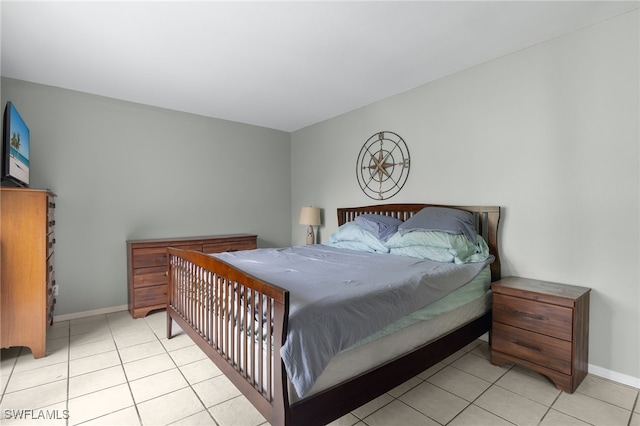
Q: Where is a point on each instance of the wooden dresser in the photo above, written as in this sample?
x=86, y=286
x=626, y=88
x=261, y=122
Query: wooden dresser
x=147, y=265
x=543, y=326
x=27, y=275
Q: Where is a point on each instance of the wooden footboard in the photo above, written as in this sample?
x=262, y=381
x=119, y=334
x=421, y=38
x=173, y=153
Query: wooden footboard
x=237, y=320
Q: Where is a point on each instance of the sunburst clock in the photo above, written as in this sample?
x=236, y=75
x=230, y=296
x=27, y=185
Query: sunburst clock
x=383, y=165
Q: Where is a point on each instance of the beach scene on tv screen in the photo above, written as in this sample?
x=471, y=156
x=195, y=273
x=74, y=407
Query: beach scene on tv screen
x=18, y=148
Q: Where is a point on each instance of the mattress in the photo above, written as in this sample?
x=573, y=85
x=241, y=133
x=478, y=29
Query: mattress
x=465, y=304
x=330, y=287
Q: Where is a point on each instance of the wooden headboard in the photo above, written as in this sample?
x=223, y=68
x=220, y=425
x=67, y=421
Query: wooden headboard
x=486, y=221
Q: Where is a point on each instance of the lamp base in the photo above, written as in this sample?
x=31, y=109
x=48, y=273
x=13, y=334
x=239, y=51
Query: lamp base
x=311, y=238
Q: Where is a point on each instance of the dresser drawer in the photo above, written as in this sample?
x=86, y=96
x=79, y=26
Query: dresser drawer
x=50, y=289
x=51, y=281
x=51, y=241
x=156, y=256
x=51, y=302
x=50, y=268
x=51, y=297
x=51, y=205
x=543, y=350
x=219, y=247
x=150, y=296
x=51, y=223
x=145, y=277
x=551, y=320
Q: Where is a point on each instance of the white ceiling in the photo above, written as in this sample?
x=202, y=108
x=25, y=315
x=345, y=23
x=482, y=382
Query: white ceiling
x=282, y=65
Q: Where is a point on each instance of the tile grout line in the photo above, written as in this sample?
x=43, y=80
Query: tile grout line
x=190, y=385
x=66, y=403
x=394, y=398
x=551, y=406
x=491, y=384
x=633, y=408
x=124, y=371
x=6, y=385
x=466, y=352
x=93, y=371
x=128, y=381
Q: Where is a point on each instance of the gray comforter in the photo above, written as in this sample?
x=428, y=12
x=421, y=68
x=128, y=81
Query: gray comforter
x=339, y=296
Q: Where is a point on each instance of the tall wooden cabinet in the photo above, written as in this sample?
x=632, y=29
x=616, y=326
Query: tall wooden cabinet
x=27, y=275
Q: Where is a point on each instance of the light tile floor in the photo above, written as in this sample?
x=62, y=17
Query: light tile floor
x=114, y=370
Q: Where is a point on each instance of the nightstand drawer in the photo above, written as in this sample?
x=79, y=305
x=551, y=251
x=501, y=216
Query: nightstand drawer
x=543, y=350
x=551, y=320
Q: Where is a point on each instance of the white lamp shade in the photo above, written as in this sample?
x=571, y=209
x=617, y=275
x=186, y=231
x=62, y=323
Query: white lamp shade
x=310, y=216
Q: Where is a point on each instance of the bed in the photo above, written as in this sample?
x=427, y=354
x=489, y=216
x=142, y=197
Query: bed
x=242, y=321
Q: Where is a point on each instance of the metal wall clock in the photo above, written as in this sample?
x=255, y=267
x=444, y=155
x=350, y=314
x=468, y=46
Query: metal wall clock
x=383, y=165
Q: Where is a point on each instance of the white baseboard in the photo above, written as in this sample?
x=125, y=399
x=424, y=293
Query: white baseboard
x=77, y=315
x=614, y=376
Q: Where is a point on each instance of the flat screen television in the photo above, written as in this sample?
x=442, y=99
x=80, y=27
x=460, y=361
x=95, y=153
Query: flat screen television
x=15, y=148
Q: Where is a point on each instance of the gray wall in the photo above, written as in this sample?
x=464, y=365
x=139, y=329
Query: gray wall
x=125, y=171
x=549, y=133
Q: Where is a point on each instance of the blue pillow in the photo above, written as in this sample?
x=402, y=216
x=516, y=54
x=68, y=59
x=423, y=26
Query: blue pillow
x=351, y=236
x=442, y=219
x=379, y=225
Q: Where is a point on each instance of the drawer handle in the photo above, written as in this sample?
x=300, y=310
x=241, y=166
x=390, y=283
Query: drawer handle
x=529, y=315
x=52, y=222
x=528, y=346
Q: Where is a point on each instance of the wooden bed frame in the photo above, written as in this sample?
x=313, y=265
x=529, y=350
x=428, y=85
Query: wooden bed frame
x=206, y=296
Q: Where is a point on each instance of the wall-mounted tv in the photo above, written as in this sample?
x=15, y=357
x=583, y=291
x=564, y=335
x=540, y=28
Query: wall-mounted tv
x=15, y=148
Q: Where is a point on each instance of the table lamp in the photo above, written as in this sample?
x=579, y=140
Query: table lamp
x=310, y=216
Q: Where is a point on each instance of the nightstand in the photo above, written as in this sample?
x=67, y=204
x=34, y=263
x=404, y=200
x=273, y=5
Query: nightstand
x=543, y=326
